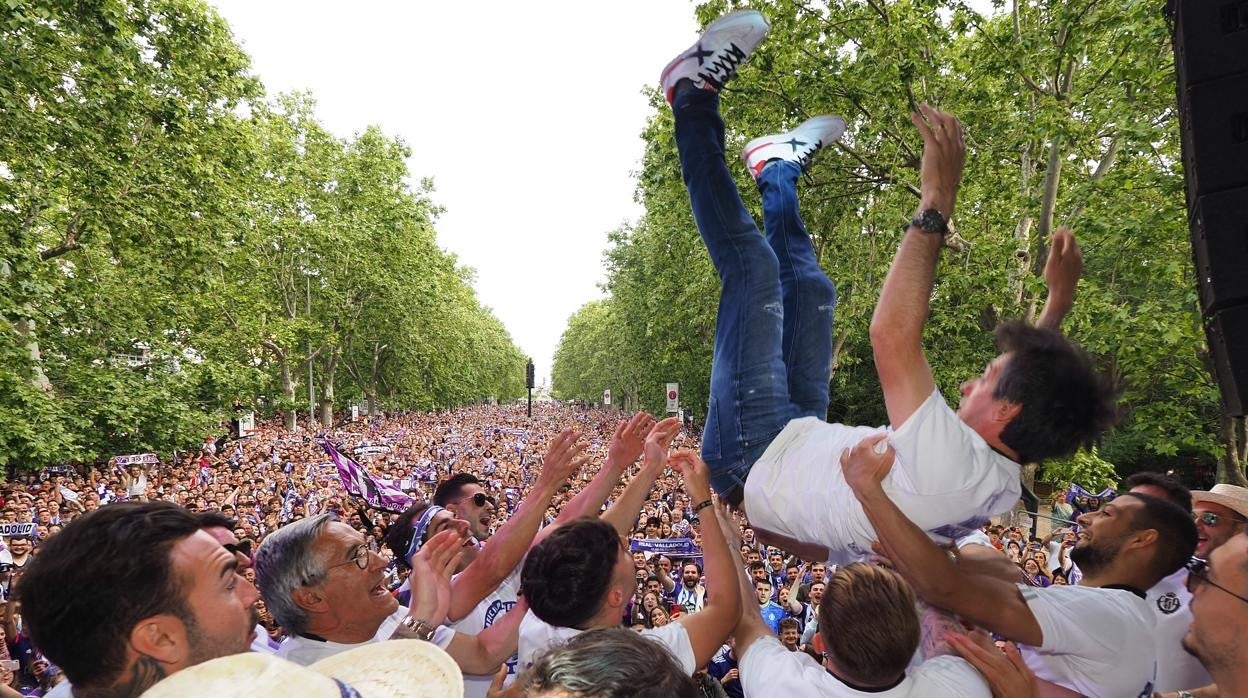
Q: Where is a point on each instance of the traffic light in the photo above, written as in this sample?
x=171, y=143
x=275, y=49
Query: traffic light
x=528, y=375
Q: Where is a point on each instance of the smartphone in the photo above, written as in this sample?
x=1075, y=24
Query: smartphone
x=10, y=665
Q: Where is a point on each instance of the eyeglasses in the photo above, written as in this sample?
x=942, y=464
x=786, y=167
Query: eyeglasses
x=243, y=549
x=1198, y=570
x=1209, y=518
x=480, y=499
x=360, y=557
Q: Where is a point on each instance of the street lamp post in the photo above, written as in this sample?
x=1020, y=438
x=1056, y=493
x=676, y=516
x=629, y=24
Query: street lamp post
x=528, y=381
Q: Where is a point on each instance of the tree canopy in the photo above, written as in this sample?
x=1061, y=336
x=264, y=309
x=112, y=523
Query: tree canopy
x=177, y=241
x=1069, y=110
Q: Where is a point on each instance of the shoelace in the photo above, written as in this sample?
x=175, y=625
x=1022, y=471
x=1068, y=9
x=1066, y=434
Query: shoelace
x=723, y=67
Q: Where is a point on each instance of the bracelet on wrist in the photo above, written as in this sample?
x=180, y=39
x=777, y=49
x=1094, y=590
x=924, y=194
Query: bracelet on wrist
x=702, y=505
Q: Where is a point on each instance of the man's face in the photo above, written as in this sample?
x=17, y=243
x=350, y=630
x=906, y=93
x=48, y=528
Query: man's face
x=789, y=637
x=776, y=561
x=443, y=520
x=818, y=572
x=691, y=576
x=351, y=592
x=752, y=557
x=478, y=516
x=1102, y=532
x=791, y=574
x=759, y=573
x=978, y=408
x=19, y=546
x=816, y=593
x=220, y=601
x=655, y=586
x=639, y=560
x=784, y=596
x=665, y=564
x=763, y=591
x=1218, y=618
x=652, y=530
x=1211, y=535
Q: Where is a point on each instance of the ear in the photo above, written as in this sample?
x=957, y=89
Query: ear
x=162, y=637
x=309, y=599
x=1006, y=411
x=1143, y=539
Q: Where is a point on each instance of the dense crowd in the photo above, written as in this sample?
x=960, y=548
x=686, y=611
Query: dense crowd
x=583, y=552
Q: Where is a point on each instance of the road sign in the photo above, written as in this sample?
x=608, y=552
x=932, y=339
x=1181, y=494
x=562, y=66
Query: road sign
x=673, y=397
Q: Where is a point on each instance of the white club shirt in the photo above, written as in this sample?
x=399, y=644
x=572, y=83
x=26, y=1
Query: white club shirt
x=768, y=669
x=304, y=651
x=1096, y=641
x=945, y=478
x=1170, y=602
x=537, y=636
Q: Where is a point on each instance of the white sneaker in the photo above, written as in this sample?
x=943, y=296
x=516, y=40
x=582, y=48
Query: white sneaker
x=714, y=59
x=798, y=145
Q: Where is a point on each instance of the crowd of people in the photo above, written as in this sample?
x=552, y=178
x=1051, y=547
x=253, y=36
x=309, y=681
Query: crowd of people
x=584, y=552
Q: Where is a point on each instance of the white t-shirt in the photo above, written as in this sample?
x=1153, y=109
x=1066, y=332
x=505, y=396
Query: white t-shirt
x=491, y=608
x=1170, y=602
x=304, y=651
x=768, y=669
x=1097, y=641
x=536, y=636
x=945, y=478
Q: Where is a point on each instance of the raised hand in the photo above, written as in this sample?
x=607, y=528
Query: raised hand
x=1065, y=264
x=658, y=441
x=695, y=473
x=629, y=440
x=564, y=457
x=866, y=464
x=432, y=567
x=944, y=153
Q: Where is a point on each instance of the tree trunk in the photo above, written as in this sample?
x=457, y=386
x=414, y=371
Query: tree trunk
x=1052, y=176
x=327, y=389
x=26, y=330
x=1231, y=466
x=289, y=413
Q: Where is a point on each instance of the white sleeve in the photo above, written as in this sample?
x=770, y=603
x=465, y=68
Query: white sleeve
x=1098, y=634
x=675, y=638
x=948, y=675
x=949, y=481
x=768, y=669
x=442, y=636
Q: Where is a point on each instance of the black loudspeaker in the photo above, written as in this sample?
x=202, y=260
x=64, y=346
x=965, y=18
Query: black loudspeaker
x=1227, y=331
x=1220, y=246
x=1211, y=68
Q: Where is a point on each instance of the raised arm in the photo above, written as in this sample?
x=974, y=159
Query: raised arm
x=750, y=624
x=1061, y=275
x=508, y=545
x=625, y=447
x=794, y=606
x=482, y=654
x=986, y=601
x=623, y=513
x=709, y=628
x=901, y=312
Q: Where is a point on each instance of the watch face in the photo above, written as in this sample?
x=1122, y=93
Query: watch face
x=931, y=221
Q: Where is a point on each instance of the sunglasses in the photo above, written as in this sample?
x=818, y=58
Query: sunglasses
x=239, y=548
x=1209, y=518
x=1198, y=573
x=480, y=498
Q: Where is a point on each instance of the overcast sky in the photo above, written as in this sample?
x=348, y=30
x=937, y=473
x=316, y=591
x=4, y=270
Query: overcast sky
x=527, y=115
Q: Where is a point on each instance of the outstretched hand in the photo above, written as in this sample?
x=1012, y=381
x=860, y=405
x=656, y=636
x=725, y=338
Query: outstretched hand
x=629, y=440
x=1004, y=669
x=658, y=441
x=944, y=153
x=695, y=473
x=432, y=567
x=1064, y=266
x=564, y=457
x=866, y=464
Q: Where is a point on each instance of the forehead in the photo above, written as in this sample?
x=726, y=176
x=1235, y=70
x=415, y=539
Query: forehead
x=1228, y=562
x=337, y=534
x=199, y=558
x=1212, y=507
x=223, y=535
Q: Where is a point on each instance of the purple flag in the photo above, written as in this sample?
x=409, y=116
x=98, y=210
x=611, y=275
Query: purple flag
x=360, y=482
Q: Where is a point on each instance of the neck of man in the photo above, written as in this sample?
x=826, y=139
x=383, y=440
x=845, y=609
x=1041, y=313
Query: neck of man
x=1116, y=574
x=143, y=673
x=347, y=632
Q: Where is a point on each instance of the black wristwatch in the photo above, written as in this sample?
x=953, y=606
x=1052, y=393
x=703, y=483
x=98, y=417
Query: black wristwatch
x=931, y=221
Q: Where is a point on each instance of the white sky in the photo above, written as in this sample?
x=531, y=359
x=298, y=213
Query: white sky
x=527, y=115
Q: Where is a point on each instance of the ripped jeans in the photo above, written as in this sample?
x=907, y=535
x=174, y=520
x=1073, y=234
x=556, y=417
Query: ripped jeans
x=773, y=334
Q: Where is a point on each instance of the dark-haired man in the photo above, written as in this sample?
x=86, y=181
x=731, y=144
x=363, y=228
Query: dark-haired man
x=189, y=605
x=582, y=575
x=770, y=372
x=1123, y=548
x=465, y=496
x=221, y=528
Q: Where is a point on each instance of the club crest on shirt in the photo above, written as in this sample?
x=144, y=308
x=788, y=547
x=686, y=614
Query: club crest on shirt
x=1168, y=602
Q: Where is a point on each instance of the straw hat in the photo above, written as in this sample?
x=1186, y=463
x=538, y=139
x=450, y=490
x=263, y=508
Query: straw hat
x=1232, y=497
x=390, y=669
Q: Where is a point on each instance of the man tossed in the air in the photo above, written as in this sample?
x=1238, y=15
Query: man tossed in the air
x=765, y=441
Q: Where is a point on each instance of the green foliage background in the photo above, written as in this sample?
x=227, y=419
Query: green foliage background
x=164, y=225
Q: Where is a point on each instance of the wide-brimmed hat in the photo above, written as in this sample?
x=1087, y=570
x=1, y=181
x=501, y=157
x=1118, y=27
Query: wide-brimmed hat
x=390, y=669
x=1232, y=497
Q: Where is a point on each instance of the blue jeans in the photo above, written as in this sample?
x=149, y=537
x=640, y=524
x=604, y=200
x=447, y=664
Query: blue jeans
x=773, y=335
